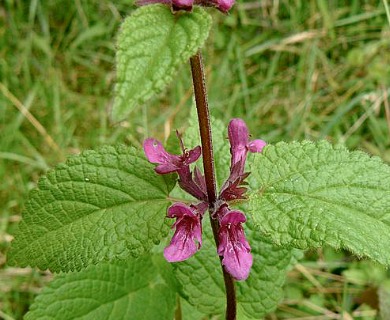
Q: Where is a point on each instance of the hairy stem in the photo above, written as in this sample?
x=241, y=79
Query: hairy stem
x=202, y=108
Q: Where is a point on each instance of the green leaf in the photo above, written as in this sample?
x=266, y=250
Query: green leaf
x=190, y=312
x=152, y=44
x=101, y=205
x=310, y=194
x=202, y=280
x=123, y=290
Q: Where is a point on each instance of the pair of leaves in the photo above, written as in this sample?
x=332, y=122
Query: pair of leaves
x=90, y=205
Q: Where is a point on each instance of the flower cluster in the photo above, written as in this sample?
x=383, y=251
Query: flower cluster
x=176, y=5
x=187, y=239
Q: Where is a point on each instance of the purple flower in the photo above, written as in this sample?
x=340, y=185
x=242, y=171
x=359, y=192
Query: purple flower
x=188, y=235
x=240, y=144
x=221, y=5
x=233, y=246
x=238, y=133
x=168, y=163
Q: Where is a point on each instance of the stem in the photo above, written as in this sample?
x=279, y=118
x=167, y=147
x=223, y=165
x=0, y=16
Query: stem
x=204, y=126
x=202, y=108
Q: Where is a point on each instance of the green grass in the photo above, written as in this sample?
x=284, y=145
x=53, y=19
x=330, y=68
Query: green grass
x=293, y=69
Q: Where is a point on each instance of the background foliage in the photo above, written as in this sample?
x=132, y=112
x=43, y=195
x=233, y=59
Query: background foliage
x=292, y=69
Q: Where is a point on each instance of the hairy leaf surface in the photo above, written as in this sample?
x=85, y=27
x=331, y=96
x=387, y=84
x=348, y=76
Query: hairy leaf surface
x=101, y=205
x=310, y=194
x=123, y=290
x=152, y=44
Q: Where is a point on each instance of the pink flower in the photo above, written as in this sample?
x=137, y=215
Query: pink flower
x=168, y=163
x=233, y=246
x=238, y=133
x=240, y=144
x=188, y=235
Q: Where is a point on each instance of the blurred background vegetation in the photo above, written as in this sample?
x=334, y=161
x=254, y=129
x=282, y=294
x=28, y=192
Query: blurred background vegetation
x=293, y=69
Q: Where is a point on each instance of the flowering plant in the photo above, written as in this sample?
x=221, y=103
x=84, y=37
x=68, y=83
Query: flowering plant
x=233, y=246
x=99, y=217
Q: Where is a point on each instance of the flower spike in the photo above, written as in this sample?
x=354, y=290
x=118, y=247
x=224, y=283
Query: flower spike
x=187, y=239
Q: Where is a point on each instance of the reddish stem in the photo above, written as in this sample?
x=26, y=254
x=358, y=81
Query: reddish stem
x=202, y=108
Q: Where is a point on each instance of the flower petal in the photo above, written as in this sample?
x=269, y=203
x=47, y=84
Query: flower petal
x=237, y=262
x=178, y=210
x=256, y=145
x=225, y=5
x=182, y=245
x=156, y=153
x=188, y=235
x=233, y=245
x=166, y=168
x=238, y=132
x=193, y=155
x=238, y=136
x=233, y=217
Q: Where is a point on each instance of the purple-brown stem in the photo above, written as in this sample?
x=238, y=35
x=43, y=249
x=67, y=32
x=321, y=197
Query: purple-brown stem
x=202, y=108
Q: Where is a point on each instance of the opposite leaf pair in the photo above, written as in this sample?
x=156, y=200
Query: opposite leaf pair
x=187, y=240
